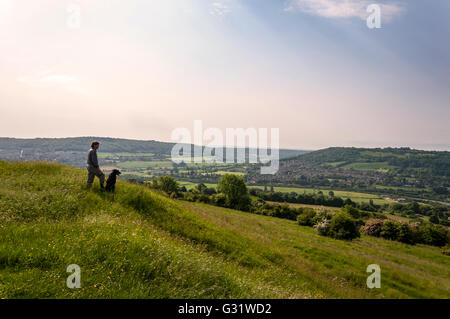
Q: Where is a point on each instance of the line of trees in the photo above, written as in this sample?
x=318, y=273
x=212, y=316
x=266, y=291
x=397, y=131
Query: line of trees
x=313, y=199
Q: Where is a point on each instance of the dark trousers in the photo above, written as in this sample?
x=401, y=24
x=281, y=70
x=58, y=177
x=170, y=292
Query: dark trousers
x=92, y=172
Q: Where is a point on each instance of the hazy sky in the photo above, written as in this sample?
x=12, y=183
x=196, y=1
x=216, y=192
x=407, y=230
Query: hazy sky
x=312, y=68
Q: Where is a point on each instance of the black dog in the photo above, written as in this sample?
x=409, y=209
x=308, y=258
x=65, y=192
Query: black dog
x=111, y=181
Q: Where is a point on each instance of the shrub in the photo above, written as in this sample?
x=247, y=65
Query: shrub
x=210, y=191
x=306, y=218
x=190, y=197
x=378, y=215
x=434, y=235
x=446, y=250
x=434, y=219
x=219, y=199
x=373, y=227
x=323, y=227
x=283, y=211
x=201, y=188
x=390, y=230
x=417, y=231
x=405, y=234
x=203, y=198
x=167, y=184
x=343, y=226
x=352, y=211
x=320, y=216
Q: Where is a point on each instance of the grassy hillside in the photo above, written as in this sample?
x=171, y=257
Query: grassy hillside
x=139, y=244
x=72, y=151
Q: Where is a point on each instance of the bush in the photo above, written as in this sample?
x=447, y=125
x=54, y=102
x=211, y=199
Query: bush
x=167, y=184
x=377, y=215
x=446, y=250
x=417, y=231
x=219, y=200
x=352, y=211
x=321, y=215
x=405, y=234
x=283, y=211
x=373, y=227
x=434, y=235
x=390, y=230
x=343, y=226
x=323, y=227
x=306, y=218
x=203, y=198
x=434, y=219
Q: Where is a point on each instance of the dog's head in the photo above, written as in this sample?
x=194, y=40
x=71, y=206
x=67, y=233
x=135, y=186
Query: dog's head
x=116, y=172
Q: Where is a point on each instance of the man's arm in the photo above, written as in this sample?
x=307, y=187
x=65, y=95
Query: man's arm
x=94, y=160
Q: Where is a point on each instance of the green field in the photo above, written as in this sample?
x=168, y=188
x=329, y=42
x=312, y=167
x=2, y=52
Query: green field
x=190, y=185
x=136, y=165
x=137, y=243
x=354, y=196
x=124, y=154
x=369, y=166
x=315, y=207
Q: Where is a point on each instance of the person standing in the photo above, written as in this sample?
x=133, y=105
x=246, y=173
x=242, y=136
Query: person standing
x=92, y=166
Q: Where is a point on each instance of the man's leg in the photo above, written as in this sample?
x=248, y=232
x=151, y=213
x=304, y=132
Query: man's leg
x=91, y=176
x=101, y=177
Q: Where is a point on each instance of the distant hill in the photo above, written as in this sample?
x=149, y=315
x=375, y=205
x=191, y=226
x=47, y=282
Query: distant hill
x=398, y=171
x=72, y=151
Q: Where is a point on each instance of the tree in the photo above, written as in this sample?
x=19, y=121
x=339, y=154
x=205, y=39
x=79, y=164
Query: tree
x=441, y=190
x=352, y=211
x=343, y=226
x=235, y=191
x=435, y=235
x=405, y=234
x=331, y=193
x=167, y=184
x=306, y=218
x=201, y=188
x=390, y=230
x=434, y=219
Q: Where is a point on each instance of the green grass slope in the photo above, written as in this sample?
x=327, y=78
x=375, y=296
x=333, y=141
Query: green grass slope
x=139, y=244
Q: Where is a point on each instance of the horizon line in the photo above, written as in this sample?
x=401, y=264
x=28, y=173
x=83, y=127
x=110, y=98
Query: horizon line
x=444, y=148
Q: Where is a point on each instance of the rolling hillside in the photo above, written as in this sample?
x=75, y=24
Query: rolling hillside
x=400, y=172
x=140, y=244
x=72, y=151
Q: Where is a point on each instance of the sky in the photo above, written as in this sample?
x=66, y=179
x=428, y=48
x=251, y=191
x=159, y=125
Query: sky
x=312, y=68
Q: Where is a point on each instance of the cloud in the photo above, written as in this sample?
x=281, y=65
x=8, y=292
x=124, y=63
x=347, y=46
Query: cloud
x=64, y=81
x=220, y=8
x=58, y=79
x=6, y=8
x=343, y=8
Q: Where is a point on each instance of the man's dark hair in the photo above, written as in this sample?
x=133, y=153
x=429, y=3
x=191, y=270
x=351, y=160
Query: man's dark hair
x=94, y=143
